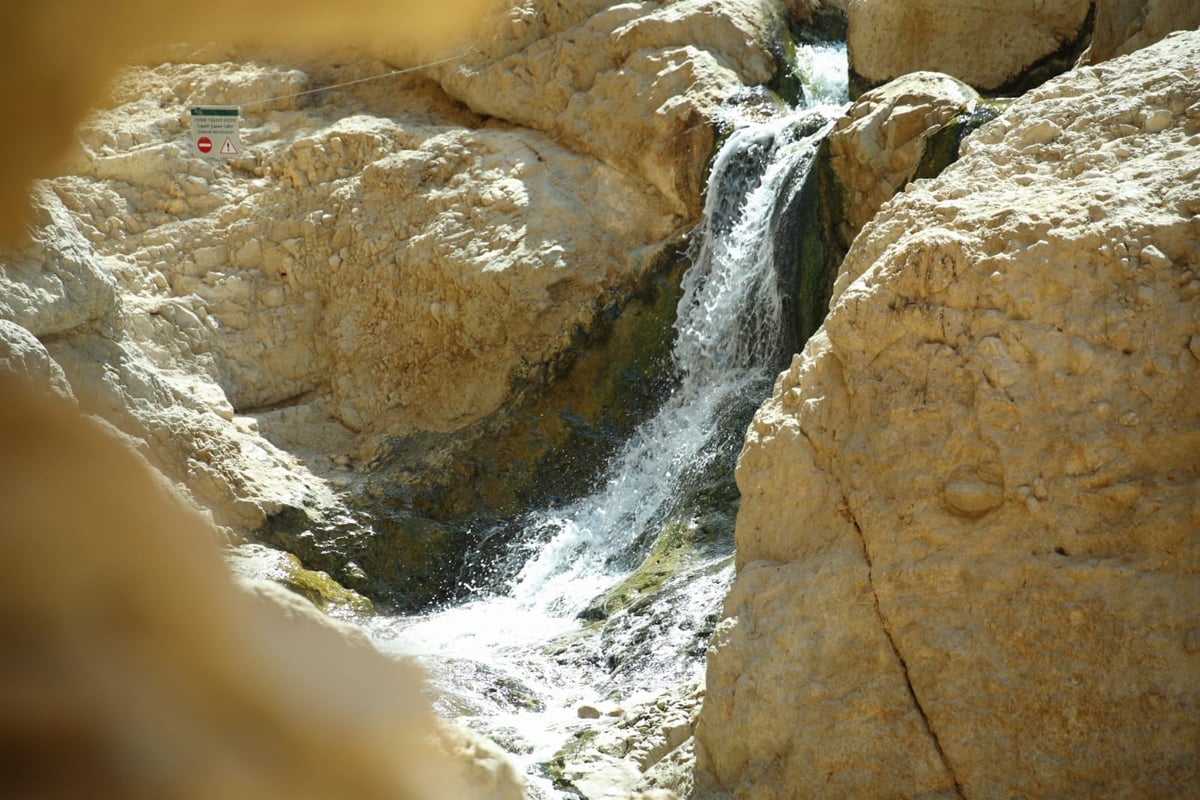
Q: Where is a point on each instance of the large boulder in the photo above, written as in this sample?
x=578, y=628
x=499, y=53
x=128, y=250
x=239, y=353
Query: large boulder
x=968, y=559
x=1123, y=26
x=881, y=142
x=995, y=47
x=636, y=85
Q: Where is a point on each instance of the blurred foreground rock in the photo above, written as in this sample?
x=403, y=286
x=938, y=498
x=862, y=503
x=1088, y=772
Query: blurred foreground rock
x=309, y=339
x=133, y=667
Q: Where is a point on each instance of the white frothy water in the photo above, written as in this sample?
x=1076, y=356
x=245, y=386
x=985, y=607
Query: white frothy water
x=727, y=338
x=823, y=72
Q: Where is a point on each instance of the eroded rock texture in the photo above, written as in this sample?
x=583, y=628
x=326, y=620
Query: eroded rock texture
x=879, y=144
x=1123, y=26
x=1002, y=48
x=991, y=46
x=382, y=261
x=308, y=289
x=969, y=537
x=634, y=85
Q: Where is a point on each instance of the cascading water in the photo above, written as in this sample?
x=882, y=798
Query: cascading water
x=728, y=339
x=489, y=656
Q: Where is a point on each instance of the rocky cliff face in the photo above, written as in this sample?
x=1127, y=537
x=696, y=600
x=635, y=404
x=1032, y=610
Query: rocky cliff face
x=382, y=261
x=967, y=545
x=967, y=548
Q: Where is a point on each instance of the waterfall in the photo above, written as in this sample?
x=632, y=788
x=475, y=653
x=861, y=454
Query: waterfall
x=731, y=338
x=729, y=334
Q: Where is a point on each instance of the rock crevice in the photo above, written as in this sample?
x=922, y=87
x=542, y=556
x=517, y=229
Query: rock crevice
x=885, y=625
x=900, y=660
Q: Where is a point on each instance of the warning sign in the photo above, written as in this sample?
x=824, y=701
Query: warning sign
x=215, y=124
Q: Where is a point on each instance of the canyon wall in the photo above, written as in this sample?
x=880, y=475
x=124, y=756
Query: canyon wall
x=969, y=538
x=382, y=261
x=244, y=337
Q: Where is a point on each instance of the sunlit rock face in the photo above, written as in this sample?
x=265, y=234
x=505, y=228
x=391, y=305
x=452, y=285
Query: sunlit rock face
x=989, y=46
x=1001, y=48
x=632, y=84
x=382, y=260
x=377, y=275
x=379, y=261
x=967, y=543
x=1123, y=26
x=882, y=140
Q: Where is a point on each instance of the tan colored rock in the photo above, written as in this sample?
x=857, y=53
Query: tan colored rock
x=637, y=86
x=381, y=262
x=644, y=753
x=988, y=45
x=1123, y=26
x=58, y=55
x=55, y=282
x=377, y=275
x=130, y=657
x=24, y=357
x=876, y=147
x=967, y=543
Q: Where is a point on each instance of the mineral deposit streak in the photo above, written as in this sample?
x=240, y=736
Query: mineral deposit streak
x=489, y=657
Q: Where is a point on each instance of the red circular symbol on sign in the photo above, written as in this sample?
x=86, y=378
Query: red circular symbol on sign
x=204, y=144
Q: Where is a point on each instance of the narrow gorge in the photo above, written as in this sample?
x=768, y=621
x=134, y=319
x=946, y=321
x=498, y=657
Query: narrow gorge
x=612, y=401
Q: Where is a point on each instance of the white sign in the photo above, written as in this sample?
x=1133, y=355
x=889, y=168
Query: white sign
x=215, y=132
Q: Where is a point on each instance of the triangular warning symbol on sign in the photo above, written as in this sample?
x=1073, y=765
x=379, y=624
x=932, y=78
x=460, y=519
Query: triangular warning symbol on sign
x=228, y=148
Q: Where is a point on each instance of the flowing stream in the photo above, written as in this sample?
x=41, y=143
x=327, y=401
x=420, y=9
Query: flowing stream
x=518, y=662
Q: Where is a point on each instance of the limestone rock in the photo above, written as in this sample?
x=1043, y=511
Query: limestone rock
x=877, y=145
x=642, y=755
x=991, y=46
x=1123, y=26
x=635, y=85
x=280, y=573
x=392, y=267
x=381, y=262
x=56, y=65
x=358, y=274
x=55, y=282
x=23, y=356
x=130, y=654
x=186, y=429
x=967, y=543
